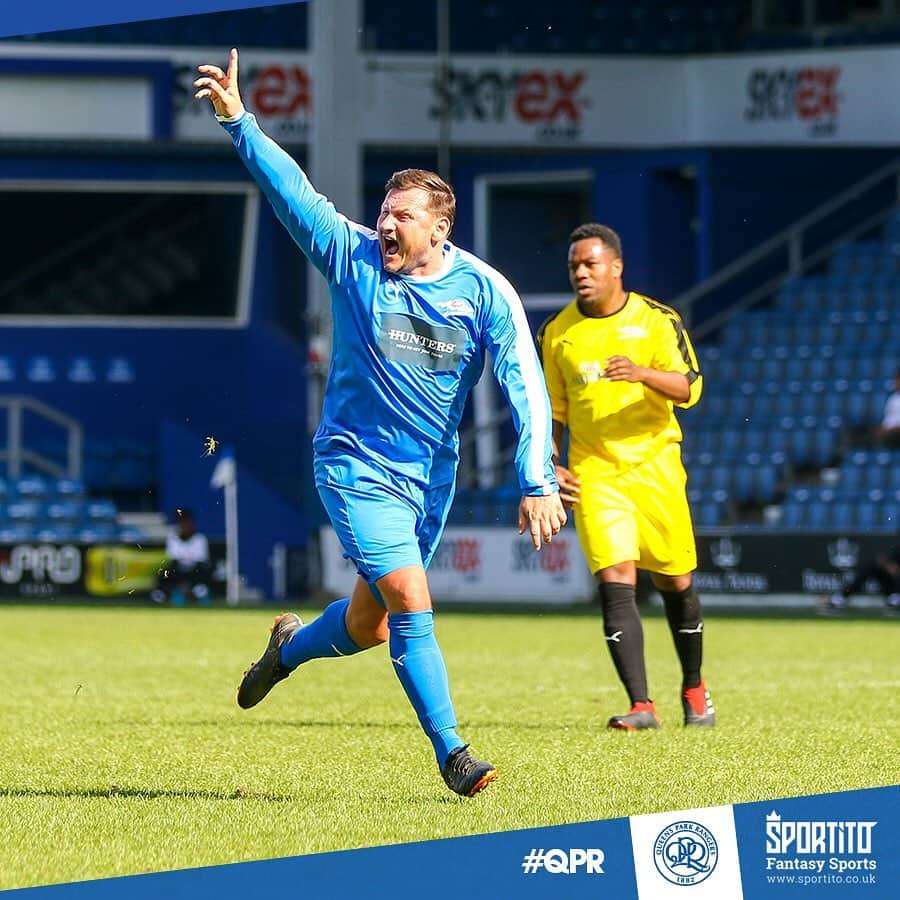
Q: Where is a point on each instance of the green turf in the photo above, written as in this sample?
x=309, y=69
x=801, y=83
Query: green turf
x=122, y=749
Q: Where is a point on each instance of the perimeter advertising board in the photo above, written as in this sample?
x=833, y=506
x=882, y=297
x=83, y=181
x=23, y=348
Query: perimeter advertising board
x=37, y=570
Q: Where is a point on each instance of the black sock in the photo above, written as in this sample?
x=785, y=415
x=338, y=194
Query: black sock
x=625, y=637
x=686, y=624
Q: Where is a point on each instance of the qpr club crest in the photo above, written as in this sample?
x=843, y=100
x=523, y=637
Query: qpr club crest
x=685, y=853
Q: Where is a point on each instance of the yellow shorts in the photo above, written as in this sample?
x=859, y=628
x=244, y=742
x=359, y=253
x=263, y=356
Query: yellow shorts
x=641, y=515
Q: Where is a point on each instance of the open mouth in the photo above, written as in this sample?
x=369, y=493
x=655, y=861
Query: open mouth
x=391, y=248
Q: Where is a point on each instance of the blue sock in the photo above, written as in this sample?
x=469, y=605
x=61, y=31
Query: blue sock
x=323, y=637
x=420, y=667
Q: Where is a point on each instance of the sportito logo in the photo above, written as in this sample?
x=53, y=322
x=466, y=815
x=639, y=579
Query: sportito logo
x=685, y=853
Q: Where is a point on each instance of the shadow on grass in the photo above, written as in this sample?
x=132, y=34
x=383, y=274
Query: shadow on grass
x=116, y=790
x=439, y=795
x=349, y=726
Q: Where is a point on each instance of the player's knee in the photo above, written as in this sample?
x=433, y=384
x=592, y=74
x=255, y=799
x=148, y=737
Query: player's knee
x=367, y=629
x=672, y=583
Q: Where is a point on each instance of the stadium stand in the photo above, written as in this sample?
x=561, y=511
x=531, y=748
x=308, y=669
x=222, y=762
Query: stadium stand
x=502, y=26
x=35, y=505
x=791, y=391
x=37, y=508
x=568, y=26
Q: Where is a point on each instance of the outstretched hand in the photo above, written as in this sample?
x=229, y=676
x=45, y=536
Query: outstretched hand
x=221, y=87
x=542, y=516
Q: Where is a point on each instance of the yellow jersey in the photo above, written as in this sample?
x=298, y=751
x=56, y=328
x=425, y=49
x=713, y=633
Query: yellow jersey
x=615, y=425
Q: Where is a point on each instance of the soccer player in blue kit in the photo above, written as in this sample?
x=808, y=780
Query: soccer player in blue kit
x=413, y=317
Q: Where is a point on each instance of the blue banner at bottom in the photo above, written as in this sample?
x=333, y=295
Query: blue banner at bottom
x=832, y=845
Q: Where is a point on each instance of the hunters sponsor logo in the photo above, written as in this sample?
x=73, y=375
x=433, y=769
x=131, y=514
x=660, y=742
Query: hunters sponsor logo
x=551, y=100
x=808, y=96
x=819, y=847
x=410, y=340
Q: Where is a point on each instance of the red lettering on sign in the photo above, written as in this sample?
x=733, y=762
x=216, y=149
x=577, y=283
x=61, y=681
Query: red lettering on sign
x=816, y=95
x=555, y=556
x=543, y=97
x=566, y=102
x=280, y=92
x=532, y=97
x=466, y=555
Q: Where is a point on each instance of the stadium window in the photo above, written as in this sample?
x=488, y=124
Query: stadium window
x=127, y=252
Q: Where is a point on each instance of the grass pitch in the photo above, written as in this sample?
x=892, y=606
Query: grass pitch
x=122, y=749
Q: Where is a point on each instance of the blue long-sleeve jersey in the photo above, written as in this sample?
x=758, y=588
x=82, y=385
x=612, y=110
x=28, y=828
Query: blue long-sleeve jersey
x=406, y=350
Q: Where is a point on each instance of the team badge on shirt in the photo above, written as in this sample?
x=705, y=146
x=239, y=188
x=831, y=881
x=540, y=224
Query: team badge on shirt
x=589, y=372
x=457, y=307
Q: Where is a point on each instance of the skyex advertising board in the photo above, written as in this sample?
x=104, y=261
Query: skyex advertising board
x=814, y=98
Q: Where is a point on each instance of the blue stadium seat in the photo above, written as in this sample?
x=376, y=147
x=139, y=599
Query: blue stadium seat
x=100, y=511
x=32, y=487
x=69, y=488
x=65, y=511
x=709, y=515
x=720, y=477
x=55, y=533
x=22, y=512
x=841, y=515
x=800, y=447
x=891, y=515
x=41, y=370
x=98, y=532
x=765, y=489
x=82, y=370
x=824, y=450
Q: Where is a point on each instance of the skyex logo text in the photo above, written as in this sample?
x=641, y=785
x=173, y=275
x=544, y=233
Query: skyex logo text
x=818, y=846
x=685, y=853
x=574, y=861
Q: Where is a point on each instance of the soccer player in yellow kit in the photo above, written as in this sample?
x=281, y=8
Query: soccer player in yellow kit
x=616, y=363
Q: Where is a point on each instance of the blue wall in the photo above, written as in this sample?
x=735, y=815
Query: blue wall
x=265, y=517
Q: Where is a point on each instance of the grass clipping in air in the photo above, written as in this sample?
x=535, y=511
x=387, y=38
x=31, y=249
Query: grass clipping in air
x=124, y=750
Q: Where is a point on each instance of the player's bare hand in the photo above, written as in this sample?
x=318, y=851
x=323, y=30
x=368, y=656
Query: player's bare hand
x=542, y=517
x=569, y=487
x=621, y=368
x=221, y=88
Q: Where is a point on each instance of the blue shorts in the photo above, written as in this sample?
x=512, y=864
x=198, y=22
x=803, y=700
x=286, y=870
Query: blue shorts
x=383, y=521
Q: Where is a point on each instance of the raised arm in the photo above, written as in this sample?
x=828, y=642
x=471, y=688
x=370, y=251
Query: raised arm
x=321, y=233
